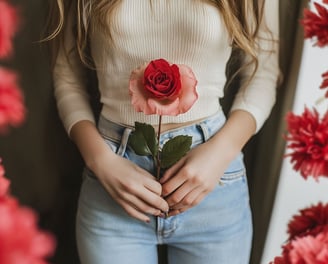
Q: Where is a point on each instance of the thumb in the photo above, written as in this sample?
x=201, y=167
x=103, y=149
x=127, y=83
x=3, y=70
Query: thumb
x=169, y=173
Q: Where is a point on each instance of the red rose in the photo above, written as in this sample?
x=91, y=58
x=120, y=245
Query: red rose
x=163, y=89
x=162, y=80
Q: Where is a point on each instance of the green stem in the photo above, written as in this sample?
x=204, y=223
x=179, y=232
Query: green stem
x=158, y=159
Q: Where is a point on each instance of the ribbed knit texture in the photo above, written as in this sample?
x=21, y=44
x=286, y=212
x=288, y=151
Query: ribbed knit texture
x=180, y=31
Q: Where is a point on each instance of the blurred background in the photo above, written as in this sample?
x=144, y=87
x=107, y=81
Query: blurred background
x=45, y=167
x=293, y=192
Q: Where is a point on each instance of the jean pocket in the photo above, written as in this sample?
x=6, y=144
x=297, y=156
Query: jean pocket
x=112, y=144
x=88, y=174
x=235, y=171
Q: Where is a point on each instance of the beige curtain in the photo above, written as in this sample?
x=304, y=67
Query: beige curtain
x=45, y=167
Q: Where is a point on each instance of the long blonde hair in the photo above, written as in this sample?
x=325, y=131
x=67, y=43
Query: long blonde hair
x=242, y=19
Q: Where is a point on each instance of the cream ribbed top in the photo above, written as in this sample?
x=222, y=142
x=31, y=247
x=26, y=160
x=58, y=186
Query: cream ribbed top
x=180, y=31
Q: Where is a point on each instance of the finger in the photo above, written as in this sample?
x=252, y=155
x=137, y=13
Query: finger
x=181, y=194
x=188, y=200
x=169, y=173
x=153, y=186
x=129, y=200
x=130, y=210
x=142, y=206
x=177, y=211
x=173, y=183
x=173, y=213
x=197, y=200
x=152, y=199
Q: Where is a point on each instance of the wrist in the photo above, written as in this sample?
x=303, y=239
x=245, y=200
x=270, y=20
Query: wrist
x=94, y=150
x=238, y=129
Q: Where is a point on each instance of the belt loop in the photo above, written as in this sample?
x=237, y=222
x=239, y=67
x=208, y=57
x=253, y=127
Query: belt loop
x=124, y=141
x=204, y=130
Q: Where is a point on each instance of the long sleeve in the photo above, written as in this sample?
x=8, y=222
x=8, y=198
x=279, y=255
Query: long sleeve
x=70, y=83
x=258, y=96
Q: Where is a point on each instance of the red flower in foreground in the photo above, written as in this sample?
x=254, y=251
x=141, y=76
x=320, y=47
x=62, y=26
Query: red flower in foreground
x=12, y=110
x=20, y=240
x=316, y=25
x=163, y=89
x=8, y=26
x=309, y=249
x=310, y=221
x=305, y=250
x=324, y=84
x=280, y=260
x=4, y=183
x=308, y=140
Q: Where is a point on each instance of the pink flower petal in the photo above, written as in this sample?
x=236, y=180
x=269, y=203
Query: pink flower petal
x=310, y=249
x=158, y=108
x=12, y=109
x=136, y=89
x=4, y=183
x=8, y=27
x=188, y=94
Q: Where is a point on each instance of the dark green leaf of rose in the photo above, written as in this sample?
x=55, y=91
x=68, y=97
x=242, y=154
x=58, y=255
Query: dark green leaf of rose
x=174, y=149
x=143, y=140
x=138, y=144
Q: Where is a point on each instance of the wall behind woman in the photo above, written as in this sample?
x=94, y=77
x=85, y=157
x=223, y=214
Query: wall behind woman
x=40, y=160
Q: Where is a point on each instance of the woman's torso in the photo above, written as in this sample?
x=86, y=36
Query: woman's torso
x=182, y=32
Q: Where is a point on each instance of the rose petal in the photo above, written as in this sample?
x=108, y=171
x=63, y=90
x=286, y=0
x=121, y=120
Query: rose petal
x=188, y=94
x=158, y=108
x=137, y=91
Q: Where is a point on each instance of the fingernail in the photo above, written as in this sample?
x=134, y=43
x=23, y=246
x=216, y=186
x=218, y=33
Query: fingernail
x=161, y=215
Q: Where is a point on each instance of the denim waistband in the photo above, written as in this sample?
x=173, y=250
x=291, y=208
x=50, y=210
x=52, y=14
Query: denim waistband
x=207, y=128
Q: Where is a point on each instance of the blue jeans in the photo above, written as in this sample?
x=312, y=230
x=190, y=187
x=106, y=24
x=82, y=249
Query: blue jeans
x=218, y=230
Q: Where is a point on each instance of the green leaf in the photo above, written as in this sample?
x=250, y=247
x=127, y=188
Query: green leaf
x=174, y=149
x=143, y=140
